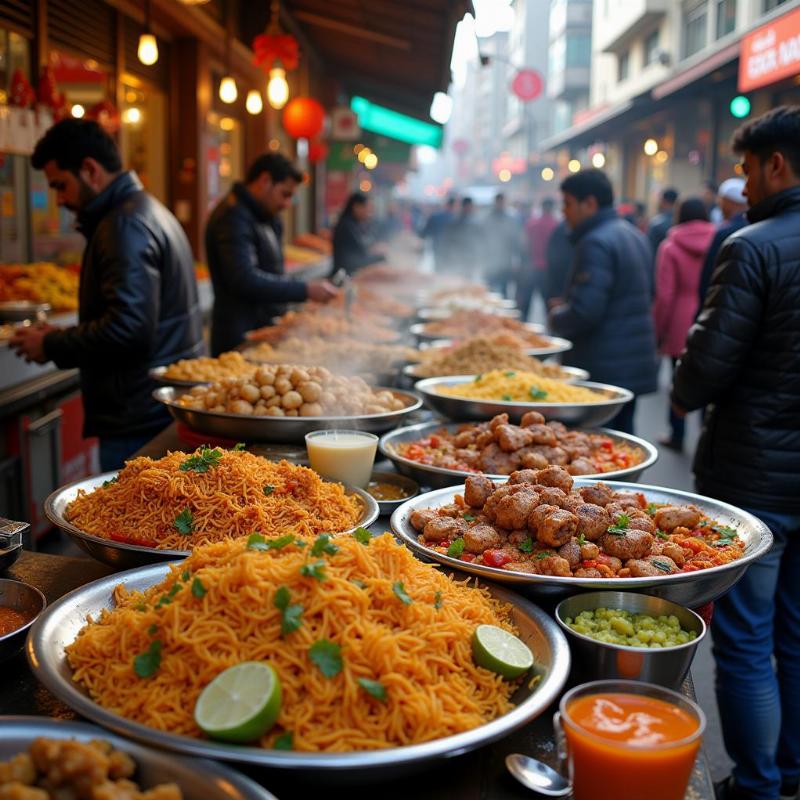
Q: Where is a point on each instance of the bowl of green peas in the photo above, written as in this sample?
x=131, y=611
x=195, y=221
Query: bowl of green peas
x=630, y=636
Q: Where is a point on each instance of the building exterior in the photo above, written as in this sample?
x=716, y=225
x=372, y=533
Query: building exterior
x=664, y=73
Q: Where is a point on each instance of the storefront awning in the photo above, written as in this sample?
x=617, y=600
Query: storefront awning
x=588, y=128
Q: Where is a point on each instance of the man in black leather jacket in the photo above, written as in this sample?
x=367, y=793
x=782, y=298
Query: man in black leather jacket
x=245, y=254
x=742, y=360
x=138, y=295
x=606, y=311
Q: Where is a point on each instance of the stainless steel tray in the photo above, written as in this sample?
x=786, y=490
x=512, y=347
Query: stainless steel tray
x=198, y=779
x=438, y=477
x=127, y=556
x=428, y=314
x=157, y=374
x=691, y=589
x=585, y=415
x=20, y=310
x=60, y=624
x=571, y=374
x=281, y=429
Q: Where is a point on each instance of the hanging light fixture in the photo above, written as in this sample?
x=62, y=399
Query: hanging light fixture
x=228, y=92
x=275, y=52
x=148, y=46
x=277, y=88
x=254, y=104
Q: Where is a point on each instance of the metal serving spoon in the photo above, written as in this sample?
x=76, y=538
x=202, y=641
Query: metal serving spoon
x=537, y=776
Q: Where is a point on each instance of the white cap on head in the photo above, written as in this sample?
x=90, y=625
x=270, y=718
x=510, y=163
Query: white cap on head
x=733, y=190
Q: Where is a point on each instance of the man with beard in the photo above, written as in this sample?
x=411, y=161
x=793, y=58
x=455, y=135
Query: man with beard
x=138, y=297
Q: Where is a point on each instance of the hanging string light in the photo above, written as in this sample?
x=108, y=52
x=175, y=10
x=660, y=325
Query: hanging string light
x=275, y=52
x=148, y=46
x=228, y=91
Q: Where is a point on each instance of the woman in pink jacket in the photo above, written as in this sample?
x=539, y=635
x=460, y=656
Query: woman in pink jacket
x=679, y=263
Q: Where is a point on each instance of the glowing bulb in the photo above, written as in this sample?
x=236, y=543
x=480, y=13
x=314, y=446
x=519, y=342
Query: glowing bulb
x=504, y=175
x=227, y=124
x=363, y=153
x=132, y=115
x=227, y=90
x=574, y=165
x=357, y=148
x=274, y=144
x=254, y=104
x=365, y=185
x=598, y=160
x=662, y=156
x=371, y=161
x=148, y=49
x=277, y=88
x=650, y=147
x=548, y=174
x=77, y=111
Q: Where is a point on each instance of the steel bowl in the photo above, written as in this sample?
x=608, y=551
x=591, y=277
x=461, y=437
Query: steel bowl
x=26, y=599
x=20, y=310
x=11, y=534
x=157, y=374
x=198, y=779
x=125, y=556
x=690, y=589
x=59, y=626
x=569, y=374
x=429, y=314
x=409, y=486
x=281, y=429
x=439, y=477
x=595, y=660
x=585, y=415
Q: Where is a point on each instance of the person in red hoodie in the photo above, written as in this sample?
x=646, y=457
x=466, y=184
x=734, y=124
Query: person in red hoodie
x=531, y=276
x=679, y=263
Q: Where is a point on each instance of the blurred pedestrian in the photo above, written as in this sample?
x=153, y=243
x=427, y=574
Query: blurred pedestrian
x=352, y=245
x=662, y=221
x=678, y=265
x=742, y=360
x=606, y=311
x=559, y=265
x=533, y=270
x=245, y=254
x=710, y=199
x=502, y=245
x=462, y=242
x=138, y=305
x=733, y=205
x=435, y=228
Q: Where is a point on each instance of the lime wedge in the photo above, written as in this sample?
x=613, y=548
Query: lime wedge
x=240, y=704
x=500, y=651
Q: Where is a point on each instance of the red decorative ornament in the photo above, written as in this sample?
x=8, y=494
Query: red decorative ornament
x=270, y=47
x=47, y=93
x=303, y=118
x=21, y=93
x=107, y=116
x=527, y=85
x=317, y=151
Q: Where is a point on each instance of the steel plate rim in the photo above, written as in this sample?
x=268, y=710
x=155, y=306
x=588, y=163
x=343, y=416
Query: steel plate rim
x=509, y=576
x=370, y=515
x=534, y=705
x=157, y=374
x=576, y=373
x=385, y=442
x=32, y=726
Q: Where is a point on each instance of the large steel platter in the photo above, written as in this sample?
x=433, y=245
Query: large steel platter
x=554, y=347
x=198, y=779
x=126, y=556
x=691, y=589
x=439, y=477
x=60, y=624
x=281, y=429
x=158, y=375
x=585, y=415
x=429, y=314
x=570, y=374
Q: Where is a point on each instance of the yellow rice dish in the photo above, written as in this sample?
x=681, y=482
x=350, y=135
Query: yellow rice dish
x=521, y=387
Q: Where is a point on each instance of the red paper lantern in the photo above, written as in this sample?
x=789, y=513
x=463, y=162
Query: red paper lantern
x=303, y=118
x=317, y=151
x=21, y=93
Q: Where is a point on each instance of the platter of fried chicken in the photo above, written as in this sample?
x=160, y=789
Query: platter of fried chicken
x=556, y=533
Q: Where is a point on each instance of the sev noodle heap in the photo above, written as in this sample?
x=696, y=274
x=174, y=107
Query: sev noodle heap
x=163, y=504
x=524, y=387
x=418, y=648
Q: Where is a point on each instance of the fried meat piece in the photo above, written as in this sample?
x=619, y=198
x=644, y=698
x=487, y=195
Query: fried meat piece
x=589, y=551
x=523, y=476
x=19, y=769
x=541, y=434
x=482, y=537
x=531, y=418
x=671, y=517
x=600, y=494
x=511, y=438
x=555, y=476
x=631, y=544
x=588, y=572
x=551, y=496
x=631, y=499
x=531, y=459
x=581, y=466
x=513, y=510
x=442, y=528
x=593, y=521
x=500, y=419
x=554, y=455
x=571, y=552
x=639, y=520
x=477, y=489
x=553, y=526
x=421, y=517
x=651, y=567
x=495, y=461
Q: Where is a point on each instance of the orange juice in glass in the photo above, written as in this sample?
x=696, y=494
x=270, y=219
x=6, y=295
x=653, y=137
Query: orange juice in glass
x=631, y=740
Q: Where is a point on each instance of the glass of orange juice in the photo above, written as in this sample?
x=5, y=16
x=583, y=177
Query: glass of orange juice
x=627, y=739
x=342, y=456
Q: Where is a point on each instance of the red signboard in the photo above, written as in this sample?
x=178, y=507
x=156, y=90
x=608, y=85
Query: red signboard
x=527, y=85
x=771, y=53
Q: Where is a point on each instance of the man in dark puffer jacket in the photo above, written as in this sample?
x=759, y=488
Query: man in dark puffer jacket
x=742, y=359
x=606, y=312
x=138, y=294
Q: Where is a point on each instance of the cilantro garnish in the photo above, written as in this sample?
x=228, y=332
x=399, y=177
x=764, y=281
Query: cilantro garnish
x=620, y=528
x=284, y=742
x=581, y=540
x=536, y=393
x=661, y=565
x=314, y=569
x=400, y=592
x=184, y=522
x=510, y=373
x=166, y=599
x=146, y=664
x=198, y=590
x=327, y=656
x=202, y=461
x=544, y=554
x=291, y=615
x=437, y=600
x=323, y=544
x=238, y=446
x=152, y=630
x=456, y=548
x=373, y=688
x=469, y=517
x=269, y=489
x=110, y=481
x=651, y=509
x=661, y=535
x=185, y=575
x=362, y=536
x=140, y=607
x=725, y=532
x=478, y=377
x=506, y=398
x=526, y=546
x=255, y=541
x=357, y=582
